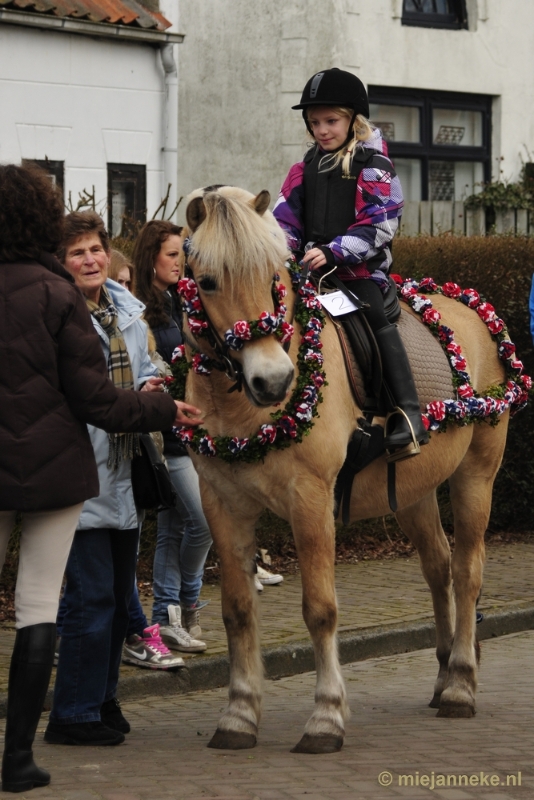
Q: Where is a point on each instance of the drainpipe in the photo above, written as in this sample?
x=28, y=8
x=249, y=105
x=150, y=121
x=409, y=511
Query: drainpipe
x=170, y=127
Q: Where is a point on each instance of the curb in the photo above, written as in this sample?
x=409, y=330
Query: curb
x=292, y=659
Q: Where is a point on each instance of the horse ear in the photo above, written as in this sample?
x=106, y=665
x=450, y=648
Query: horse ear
x=260, y=204
x=195, y=213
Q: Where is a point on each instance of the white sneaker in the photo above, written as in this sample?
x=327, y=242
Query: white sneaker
x=267, y=578
x=258, y=585
x=191, y=618
x=176, y=637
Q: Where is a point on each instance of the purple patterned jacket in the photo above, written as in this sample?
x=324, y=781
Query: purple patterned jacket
x=377, y=210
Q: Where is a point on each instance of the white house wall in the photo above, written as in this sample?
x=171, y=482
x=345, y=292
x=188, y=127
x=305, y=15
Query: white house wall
x=83, y=101
x=243, y=63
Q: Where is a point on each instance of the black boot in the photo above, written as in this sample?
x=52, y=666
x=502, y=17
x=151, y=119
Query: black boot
x=404, y=427
x=29, y=676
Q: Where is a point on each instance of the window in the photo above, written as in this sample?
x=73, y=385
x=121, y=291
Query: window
x=126, y=198
x=438, y=141
x=56, y=169
x=435, y=13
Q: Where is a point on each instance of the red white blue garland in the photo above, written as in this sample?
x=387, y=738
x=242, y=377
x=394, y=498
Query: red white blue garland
x=468, y=406
x=296, y=419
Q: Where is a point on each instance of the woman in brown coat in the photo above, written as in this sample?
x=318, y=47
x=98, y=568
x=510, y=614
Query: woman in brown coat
x=53, y=380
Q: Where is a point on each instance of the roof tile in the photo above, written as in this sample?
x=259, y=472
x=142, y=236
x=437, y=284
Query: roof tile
x=114, y=12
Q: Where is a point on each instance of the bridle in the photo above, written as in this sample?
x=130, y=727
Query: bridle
x=201, y=326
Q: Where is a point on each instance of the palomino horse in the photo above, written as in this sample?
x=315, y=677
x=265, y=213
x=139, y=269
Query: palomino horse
x=234, y=249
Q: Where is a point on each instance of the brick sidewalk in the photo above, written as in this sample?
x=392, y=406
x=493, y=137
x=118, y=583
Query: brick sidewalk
x=392, y=733
x=371, y=595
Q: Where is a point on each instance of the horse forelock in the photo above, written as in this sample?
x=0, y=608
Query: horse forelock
x=235, y=241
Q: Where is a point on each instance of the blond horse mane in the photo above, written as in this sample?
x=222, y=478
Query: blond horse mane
x=235, y=239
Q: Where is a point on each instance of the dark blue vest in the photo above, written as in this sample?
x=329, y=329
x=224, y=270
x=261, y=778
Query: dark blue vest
x=330, y=196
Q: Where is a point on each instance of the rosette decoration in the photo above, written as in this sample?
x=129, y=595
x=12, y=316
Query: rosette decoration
x=287, y=425
x=468, y=406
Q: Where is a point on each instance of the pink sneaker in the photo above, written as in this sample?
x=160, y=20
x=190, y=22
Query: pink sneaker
x=149, y=651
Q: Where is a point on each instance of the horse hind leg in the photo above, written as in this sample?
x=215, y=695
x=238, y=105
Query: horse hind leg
x=421, y=523
x=314, y=534
x=470, y=492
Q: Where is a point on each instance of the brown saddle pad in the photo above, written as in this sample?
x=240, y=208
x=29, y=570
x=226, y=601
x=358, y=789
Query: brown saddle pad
x=430, y=366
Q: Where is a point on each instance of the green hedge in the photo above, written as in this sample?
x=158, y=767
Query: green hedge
x=500, y=268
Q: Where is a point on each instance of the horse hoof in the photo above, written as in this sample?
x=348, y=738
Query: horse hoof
x=232, y=740
x=456, y=711
x=322, y=743
x=435, y=702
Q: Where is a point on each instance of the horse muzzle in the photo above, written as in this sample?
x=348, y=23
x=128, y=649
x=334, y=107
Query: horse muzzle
x=267, y=379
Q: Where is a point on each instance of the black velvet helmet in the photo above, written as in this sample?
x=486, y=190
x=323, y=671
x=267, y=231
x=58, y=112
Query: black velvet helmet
x=335, y=87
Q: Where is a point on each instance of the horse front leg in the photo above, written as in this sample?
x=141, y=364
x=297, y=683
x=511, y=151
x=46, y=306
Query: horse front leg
x=422, y=525
x=314, y=532
x=234, y=538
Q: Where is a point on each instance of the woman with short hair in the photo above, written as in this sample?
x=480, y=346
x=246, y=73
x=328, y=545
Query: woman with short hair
x=102, y=562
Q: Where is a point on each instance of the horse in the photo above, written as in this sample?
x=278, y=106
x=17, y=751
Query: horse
x=235, y=251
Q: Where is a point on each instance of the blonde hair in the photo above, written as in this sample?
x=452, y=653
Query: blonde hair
x=362, y=130
x=117, y=262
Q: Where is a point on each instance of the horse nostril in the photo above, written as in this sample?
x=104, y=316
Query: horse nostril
x=258, y=385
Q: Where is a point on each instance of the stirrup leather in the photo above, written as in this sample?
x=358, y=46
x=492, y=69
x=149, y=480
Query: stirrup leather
x=406, y=451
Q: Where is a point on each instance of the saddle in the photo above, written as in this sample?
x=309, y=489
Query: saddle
x=432, y=376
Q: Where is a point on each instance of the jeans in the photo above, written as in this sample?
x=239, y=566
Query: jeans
x=137, y=622
x=183, y=542
x=100, y=580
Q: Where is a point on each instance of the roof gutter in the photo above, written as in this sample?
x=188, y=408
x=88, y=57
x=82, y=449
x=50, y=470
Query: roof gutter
x=105, y=30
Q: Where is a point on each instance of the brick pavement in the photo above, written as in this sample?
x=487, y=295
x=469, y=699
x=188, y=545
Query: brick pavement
x=392, y=733
x=371, y=594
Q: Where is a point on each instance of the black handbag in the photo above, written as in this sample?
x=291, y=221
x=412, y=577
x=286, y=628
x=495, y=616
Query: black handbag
x=151, y=482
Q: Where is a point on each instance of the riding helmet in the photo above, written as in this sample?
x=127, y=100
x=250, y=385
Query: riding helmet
x=335, y=87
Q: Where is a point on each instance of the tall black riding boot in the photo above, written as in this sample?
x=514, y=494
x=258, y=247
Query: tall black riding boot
x=29, y=676
x=404, y=427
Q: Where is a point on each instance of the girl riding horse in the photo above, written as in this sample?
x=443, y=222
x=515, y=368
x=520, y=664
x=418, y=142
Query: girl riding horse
x=341, y=205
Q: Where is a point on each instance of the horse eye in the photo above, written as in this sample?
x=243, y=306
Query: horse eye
x=207, y=283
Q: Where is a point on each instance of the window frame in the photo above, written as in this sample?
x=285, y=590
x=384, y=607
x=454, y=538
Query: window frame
x=424, y=19
x=53, y=168
x=137, y=174
x=425, y=150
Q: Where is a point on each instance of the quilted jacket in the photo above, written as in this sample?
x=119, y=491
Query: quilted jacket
x=378, y=206
x=53, y=380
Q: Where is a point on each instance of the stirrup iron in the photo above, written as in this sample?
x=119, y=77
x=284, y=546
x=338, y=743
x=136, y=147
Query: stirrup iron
x=405, y=451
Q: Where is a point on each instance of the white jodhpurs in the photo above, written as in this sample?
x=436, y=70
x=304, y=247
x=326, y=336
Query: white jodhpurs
x=44, y=548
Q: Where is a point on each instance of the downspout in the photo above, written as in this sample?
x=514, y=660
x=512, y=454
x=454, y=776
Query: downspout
x=169, y=147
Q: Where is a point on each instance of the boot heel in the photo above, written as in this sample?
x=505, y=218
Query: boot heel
x=21, y=774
